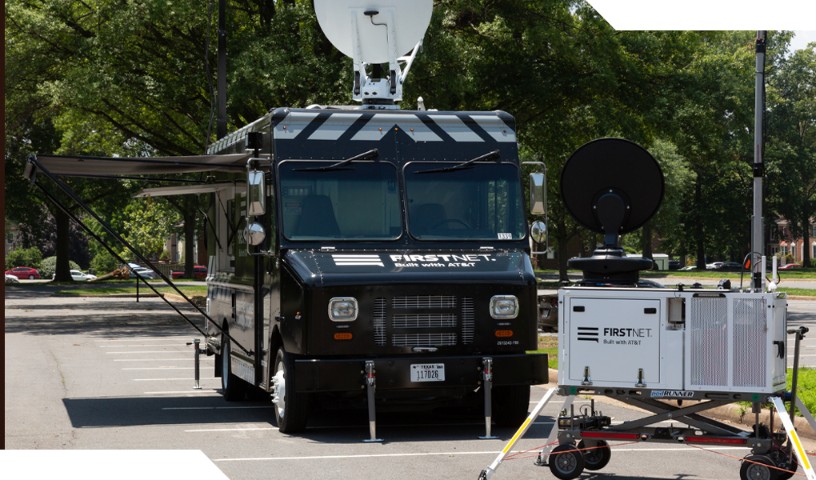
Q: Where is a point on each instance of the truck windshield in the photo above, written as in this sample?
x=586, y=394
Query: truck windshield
x=481, y=201
x=354, y=201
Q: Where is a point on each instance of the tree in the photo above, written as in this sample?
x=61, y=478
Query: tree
x=791, y=145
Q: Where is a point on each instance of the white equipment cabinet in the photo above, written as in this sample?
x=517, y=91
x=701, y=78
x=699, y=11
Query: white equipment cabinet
x=672, y=343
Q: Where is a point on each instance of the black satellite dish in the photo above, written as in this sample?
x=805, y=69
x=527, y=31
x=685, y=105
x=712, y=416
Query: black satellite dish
x=611, y=186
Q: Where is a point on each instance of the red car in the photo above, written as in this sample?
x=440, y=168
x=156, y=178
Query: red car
x=199, y=273
x=24, y=272
x=790, y=266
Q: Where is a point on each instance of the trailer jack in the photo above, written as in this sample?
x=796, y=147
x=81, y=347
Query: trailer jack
x=197, y=360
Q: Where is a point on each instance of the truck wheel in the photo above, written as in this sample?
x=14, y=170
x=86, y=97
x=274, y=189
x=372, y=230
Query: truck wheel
x=510, y=405
x=291, y=408
x=231, y=386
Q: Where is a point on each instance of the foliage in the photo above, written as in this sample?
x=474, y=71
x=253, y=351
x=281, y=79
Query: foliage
x=29, y=257
x=148, y=224
x=137, y=78
x=103, y=262
x=49, y=265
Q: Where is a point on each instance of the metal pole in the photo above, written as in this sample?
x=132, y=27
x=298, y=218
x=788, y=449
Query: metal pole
x=757, y=239
x=221, y=120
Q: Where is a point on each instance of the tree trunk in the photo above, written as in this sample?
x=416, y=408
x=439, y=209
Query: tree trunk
x=698, y=226
x=806, y=240
x=62, y=272
x=189, y=240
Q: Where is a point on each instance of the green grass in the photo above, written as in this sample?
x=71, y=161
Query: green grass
x=798, y=292
x=805, y=387
x=123, y=289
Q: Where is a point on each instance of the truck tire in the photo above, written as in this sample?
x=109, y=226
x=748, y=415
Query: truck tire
x=510, y=405
x=232, y=387
x=291, y=408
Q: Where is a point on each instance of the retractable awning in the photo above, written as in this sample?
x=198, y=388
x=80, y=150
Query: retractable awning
x=114, y=167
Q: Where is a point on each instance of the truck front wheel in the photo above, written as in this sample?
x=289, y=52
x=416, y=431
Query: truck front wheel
x=291, y=408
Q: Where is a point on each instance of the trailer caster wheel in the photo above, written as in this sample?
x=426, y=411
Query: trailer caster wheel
x=596, y=454
x=566, y=462
x=758, y=467
x=785, y=460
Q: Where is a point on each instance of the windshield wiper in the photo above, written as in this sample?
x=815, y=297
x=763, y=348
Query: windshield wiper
x=487, y=156
x=367, y=155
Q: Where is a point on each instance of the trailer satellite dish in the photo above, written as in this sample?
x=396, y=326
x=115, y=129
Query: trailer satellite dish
x=407, y=18
x=611, y=186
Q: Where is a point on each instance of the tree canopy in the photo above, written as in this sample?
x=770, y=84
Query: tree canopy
x=115, y=77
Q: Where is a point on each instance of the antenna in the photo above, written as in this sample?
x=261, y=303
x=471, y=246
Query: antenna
x=374, y=33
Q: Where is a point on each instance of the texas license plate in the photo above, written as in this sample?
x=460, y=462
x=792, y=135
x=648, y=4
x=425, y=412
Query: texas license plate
x=427, y=372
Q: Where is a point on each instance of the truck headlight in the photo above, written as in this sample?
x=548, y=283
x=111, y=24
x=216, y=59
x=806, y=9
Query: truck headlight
x=343, y=309
x=504, y=307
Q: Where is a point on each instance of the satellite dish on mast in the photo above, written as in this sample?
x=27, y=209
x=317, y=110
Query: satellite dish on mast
x=407, y=18
x=372, y=33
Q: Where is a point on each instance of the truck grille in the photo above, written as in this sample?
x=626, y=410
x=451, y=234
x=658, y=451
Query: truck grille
x=424, y=321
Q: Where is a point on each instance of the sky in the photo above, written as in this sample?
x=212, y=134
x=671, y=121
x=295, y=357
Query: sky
x=802, y=38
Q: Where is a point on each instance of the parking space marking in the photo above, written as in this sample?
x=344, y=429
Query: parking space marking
x=182, y=392
x=159, y=368
x=451, y=454
x=167, y=379
x=215, y=430
x=244, y=407
x=151, y=359
x=145, y=352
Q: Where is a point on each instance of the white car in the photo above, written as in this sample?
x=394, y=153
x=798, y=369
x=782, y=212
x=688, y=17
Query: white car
x=11, y=279
x=78, y=276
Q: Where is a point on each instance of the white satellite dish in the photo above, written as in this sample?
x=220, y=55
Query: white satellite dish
x=369, y=22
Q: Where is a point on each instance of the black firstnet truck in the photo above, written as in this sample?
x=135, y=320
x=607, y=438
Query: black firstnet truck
x=363, y=255
x=385, y=253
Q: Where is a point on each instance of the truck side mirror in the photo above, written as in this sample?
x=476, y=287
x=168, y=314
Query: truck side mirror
x=256, y=193
x=538, y=194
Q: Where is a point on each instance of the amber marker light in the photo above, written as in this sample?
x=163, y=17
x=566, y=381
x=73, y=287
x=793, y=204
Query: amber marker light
x=342, y=336
x=504, y=333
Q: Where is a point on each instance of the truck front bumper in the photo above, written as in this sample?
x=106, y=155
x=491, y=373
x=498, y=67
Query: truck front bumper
x=394, y=373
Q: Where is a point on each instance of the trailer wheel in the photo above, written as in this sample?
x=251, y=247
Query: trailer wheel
x=231, y=386
x=291, y=408
x=596, y=454
x=566, y=462
x=786, y=460
x=510, y=405
x=758, y=467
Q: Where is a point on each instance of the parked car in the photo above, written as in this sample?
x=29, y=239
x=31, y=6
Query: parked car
x=674, y=265
x=688, y=268
x=199, y=273
x=790, y=266
x=724, y=266
x=11, y=279
x=24, y=272
x=144, y=273
x=78, y=276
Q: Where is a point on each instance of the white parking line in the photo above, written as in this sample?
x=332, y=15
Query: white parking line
x=126, y=340
x=145, y=352
x=141, y=345
x=151, y=359
x=158, y=368
x=177, y=392
x=247, y=407
x=211, y=430
x=167, y=379
x=449, y=454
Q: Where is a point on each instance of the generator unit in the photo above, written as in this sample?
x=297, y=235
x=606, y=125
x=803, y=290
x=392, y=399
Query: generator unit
x=672, y=343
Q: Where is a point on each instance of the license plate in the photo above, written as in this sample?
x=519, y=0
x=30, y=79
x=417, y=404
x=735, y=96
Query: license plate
x=427, y=372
